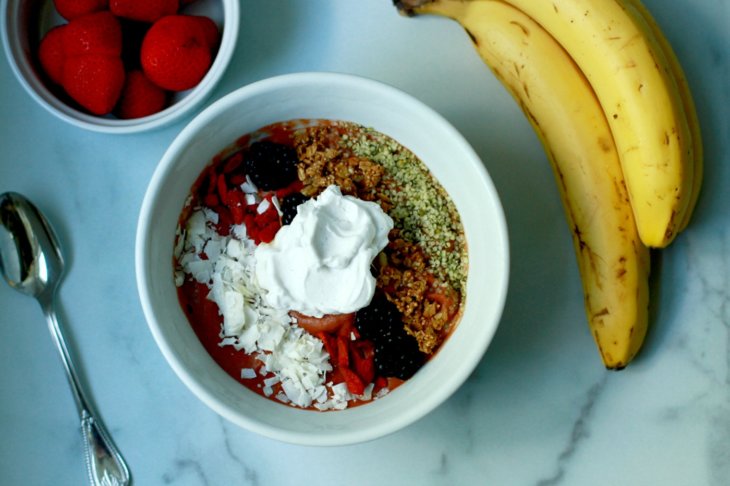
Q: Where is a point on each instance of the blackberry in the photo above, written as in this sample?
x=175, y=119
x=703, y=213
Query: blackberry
x=289, y=206
x=271, y=165
x=398, y=356
x=378, y=319
x=396, y=352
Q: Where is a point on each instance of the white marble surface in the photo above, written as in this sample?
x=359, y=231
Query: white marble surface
x=539, y=410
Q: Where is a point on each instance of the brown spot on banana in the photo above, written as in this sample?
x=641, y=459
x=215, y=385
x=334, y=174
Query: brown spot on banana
x=522, y=27
x=622, y=268
x=578, y=237
x=619, y=185
x=605, y=145
x=631, y=40
x=526, y=89
x=605, y=355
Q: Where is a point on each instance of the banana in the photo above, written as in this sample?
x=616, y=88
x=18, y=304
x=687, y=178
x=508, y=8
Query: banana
x=638, y=97
x=654, y=34
x=567, y=117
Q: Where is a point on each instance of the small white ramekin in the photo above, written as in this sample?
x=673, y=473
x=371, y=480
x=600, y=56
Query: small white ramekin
x=25, y=21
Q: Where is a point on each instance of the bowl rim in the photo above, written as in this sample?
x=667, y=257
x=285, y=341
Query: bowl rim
x=39, y=92
x=146, y=226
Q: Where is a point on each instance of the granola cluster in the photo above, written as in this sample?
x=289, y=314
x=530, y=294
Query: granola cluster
x=322, y=162
x=427, y=306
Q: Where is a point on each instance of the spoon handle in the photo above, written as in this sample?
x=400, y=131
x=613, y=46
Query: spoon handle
x=104, y=463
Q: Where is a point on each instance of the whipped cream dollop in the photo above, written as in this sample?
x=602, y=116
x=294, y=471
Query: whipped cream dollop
x=320, y=263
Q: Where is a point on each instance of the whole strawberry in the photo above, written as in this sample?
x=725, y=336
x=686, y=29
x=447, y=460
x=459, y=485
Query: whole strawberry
x=95, y=33
x=94, y=81
x=93, y=72
x=140, y=97
x=51, y=53
x=178, y=50
x=70, y=9
x=143, y=10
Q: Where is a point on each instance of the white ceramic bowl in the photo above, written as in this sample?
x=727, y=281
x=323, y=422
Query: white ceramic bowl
x=339, y=97
x=24, y=22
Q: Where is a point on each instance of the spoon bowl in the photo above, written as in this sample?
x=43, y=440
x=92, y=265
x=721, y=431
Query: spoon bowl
x=32, y=263
x=30, y=257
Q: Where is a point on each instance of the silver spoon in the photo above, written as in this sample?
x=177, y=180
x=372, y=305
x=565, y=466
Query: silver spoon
x=32, y=263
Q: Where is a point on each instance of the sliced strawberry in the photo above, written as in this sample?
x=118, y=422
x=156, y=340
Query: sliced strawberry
x=343, y=353
x=363, y=359
x=238, y=213
x=224, y=220
x=237, y=179
x=268, y=233
x=233, y=163
x=328, y=323
x=354, y=383
x=329, y=345
x=211, y=200
x=222, y=188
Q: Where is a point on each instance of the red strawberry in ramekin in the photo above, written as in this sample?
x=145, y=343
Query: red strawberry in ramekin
x=70, y=9
x=178, y=50
x=140, y=97
x=143, y=10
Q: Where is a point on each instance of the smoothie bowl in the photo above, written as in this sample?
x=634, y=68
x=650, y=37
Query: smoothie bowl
x=321, y=258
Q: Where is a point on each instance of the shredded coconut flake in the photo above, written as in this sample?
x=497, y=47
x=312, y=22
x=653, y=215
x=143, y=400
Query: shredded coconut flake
x=248, y=373
x=249, y=187
x=251, y=199
x=263, y=206
x=277, y=204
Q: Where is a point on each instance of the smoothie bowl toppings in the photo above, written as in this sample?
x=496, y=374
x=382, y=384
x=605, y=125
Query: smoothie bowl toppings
x=320, y=263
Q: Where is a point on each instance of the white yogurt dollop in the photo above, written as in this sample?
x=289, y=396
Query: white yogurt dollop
x=320, y=263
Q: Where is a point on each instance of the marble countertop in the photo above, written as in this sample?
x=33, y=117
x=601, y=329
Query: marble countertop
x=539, y=410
